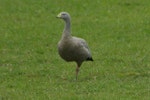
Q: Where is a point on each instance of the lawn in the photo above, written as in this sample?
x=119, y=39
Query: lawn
x=118, y=34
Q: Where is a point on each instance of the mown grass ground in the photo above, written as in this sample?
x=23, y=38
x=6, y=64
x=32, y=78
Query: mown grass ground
x=117, y=31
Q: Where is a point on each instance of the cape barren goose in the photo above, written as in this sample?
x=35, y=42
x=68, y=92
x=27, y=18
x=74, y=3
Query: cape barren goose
x=72, y=48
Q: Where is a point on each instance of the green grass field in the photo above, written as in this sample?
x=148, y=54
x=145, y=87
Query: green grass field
x=118, y=34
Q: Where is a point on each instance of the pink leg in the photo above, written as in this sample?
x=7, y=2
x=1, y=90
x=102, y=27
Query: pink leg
x=77, y=70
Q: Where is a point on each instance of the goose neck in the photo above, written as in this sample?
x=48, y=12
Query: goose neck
x=67, y=29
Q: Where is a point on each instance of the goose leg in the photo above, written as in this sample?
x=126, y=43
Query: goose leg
x=77, y=71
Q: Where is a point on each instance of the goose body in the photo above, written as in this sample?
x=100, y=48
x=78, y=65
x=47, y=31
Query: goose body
x=72, y=48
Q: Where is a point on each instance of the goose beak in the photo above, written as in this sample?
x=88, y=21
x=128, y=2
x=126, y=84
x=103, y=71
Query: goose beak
x=58, y=16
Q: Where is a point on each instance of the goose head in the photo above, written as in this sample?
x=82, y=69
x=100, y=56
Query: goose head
x=63, y=15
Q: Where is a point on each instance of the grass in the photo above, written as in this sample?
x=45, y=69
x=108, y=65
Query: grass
x=117, y=32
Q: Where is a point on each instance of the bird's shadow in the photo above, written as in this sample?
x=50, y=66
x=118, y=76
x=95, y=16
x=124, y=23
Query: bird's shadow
x=80, y=79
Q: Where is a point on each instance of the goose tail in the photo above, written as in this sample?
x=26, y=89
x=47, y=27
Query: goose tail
x=89, y=59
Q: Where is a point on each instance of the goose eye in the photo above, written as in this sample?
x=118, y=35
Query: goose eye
x=63, y=14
